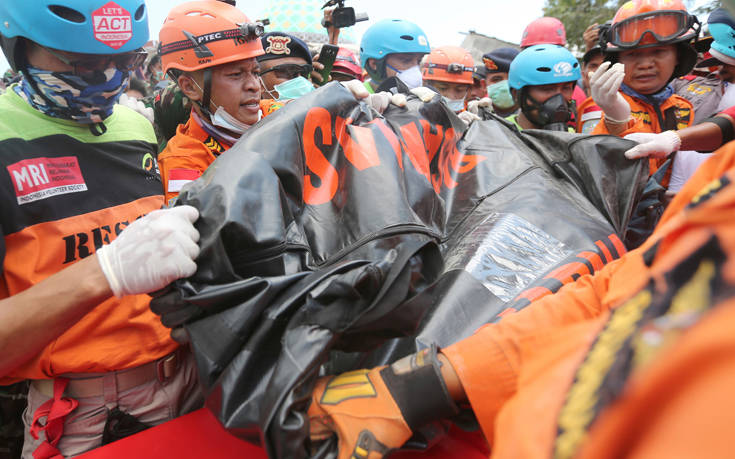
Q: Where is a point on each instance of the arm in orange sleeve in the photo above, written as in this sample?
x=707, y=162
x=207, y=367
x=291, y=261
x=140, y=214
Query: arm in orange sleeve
x=487, y=363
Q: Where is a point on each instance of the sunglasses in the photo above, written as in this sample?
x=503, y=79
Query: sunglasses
x=290, y=71
x=90, y=63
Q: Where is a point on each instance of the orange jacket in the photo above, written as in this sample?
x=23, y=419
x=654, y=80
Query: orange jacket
x=675, y=113
x=533, y=378
x=190, y=152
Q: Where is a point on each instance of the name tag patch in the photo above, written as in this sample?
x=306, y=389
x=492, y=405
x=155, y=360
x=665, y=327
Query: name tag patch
x=40, y=178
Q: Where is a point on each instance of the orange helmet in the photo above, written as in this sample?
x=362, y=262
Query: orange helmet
x=641, y=23
x=202, y=34
x=449, y=63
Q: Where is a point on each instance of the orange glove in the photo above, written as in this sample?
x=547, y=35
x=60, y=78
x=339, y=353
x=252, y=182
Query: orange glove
x=376, y=411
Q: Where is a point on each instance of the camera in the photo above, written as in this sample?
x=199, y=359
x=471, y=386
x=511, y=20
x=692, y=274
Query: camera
x=343, y=16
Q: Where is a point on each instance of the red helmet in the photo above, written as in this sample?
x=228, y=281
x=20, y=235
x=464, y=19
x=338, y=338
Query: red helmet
x=449, y=63
x=544, y=31
x=346, y=62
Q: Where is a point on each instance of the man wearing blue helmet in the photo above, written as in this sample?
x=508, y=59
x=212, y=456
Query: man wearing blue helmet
x=82, y=239
x=542, y=79
x=393, y=48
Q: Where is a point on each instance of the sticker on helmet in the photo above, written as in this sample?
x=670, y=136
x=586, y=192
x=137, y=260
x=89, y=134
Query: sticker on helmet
x=113, y=25
x=422, y=40
x=278, y=45
x=563, y=69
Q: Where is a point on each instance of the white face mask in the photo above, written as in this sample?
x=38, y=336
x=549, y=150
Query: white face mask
x=222, y=119
x=455, y=105
x=411, y=77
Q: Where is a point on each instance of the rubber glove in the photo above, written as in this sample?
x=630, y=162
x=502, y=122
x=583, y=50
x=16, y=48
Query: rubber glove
x=604, y=87
x=653, y=145
x=152, y=252
x=379, y=101
x=474, y=106
x=137, y=105
x=424, y=93
x=468, y=117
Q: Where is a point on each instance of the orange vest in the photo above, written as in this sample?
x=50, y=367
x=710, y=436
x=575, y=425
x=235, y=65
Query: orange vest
x=190, y=152
x=552, y=372
x=674, y=114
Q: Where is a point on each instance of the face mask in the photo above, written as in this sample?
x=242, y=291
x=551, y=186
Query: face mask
x=455, y=105
x=67, y=96
x=222, y=119
x=554, y=114
x=500, y=94
x=411, y=77
x=294, y=88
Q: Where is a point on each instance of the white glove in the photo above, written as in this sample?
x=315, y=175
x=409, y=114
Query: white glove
x=380, y=101
x=653, y=145
x=604, y=86
x=473, y=106
x=138, y=106
x=152, y=252
x=424, y=93
x=468, y=117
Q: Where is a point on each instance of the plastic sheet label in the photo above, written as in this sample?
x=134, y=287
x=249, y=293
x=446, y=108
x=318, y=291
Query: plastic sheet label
x=506, y=253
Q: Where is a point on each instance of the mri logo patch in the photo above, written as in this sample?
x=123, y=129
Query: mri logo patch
x=563, y=69
x=41, y=178
x=113, y=25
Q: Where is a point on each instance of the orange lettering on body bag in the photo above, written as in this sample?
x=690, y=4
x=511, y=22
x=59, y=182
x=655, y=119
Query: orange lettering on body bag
x=318, y=118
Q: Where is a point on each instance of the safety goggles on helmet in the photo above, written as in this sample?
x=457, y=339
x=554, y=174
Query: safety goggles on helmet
x=90, y=63
x=652, y=28
x=290, y=71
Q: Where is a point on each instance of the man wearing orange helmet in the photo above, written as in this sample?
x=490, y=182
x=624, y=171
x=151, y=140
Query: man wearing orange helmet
x=448, y=69
x=210, y=50
x=650, y=41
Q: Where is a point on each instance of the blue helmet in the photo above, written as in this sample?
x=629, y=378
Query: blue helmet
x=391, y=36
x=79, y=26
x=722, y=27
x=543, y=64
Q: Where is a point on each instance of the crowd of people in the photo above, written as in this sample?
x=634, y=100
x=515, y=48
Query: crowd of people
x=623, y=362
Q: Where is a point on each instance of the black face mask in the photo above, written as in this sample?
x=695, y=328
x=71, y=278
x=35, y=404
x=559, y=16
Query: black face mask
x=553, y=114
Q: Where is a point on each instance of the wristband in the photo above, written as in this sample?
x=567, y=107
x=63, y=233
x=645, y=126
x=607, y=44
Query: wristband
x=416, y=384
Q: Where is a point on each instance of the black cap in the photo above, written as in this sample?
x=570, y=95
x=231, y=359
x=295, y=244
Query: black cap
x=280, y=44
x=594, y=51
x=499, y=59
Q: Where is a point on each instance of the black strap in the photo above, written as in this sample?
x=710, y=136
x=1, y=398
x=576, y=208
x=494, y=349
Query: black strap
x=196, y=42
x=207, y=89
x=725, y=125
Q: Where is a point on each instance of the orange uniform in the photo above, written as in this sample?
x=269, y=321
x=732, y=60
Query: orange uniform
x=674, y=114
x=636, y=361
x=190, y=152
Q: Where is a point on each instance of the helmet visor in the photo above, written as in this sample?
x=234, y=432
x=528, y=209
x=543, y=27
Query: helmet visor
x=650, y=28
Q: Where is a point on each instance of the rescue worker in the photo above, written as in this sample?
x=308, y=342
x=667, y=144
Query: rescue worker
x=588, y=112
x=286, y=67
x=623, y=363
x=650, y=39
x=224, y=89
x=549, y=31
x=448, y=70
x=393, y=48
x=478, y=90
x=78, y=254
x=542, y=80
x=497, y=64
